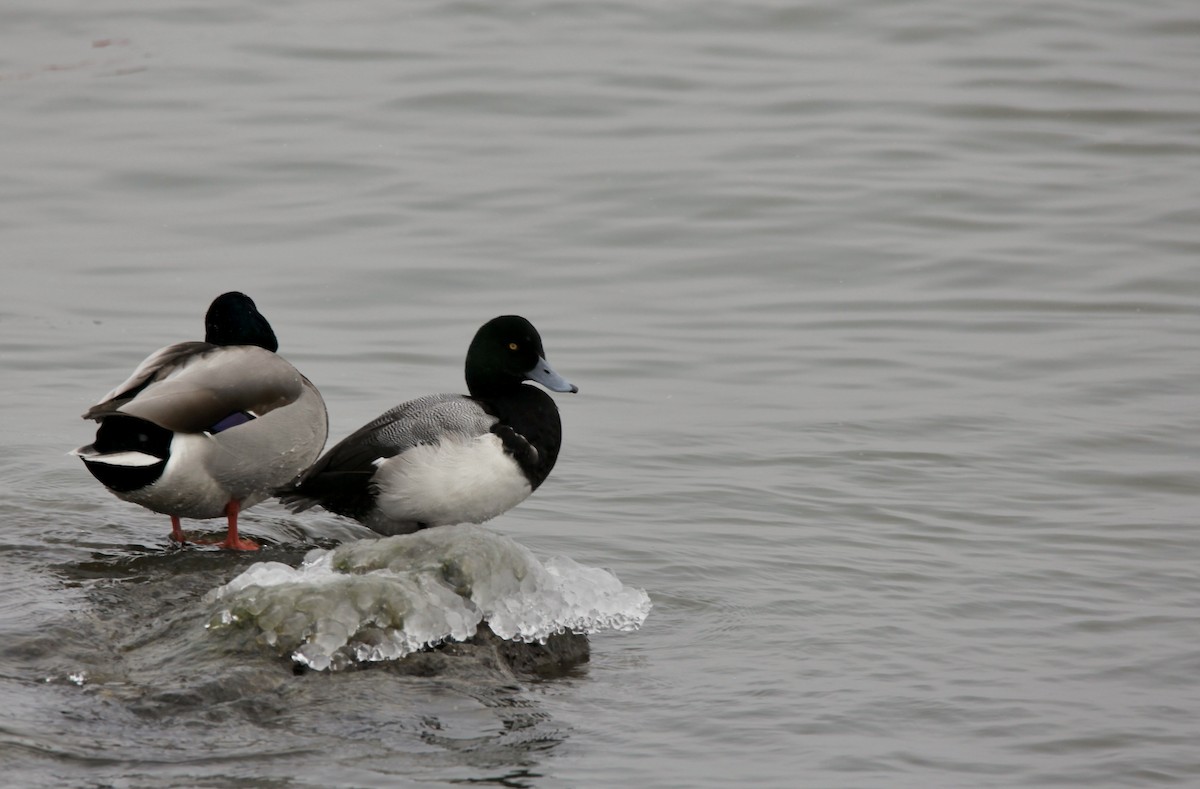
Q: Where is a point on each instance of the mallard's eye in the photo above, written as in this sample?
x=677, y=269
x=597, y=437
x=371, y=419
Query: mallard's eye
x=512, y=346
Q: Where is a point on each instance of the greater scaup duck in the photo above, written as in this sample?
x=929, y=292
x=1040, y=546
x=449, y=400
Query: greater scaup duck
x=206, y=429
x=449, y=458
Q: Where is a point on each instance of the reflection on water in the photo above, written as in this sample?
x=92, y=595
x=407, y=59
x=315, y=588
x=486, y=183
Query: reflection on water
x=134, y=657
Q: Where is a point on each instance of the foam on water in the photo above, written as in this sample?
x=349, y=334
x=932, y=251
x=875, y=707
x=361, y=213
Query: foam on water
x=383, y=599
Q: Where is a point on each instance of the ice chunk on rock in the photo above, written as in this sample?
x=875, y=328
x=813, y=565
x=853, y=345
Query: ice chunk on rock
x=382, y=599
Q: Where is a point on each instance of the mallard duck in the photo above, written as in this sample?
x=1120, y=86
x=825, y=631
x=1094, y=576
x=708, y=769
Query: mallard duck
x=449, y=458
x=207, y=429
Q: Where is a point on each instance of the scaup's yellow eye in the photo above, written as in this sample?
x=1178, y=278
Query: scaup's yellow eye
x=512, y=346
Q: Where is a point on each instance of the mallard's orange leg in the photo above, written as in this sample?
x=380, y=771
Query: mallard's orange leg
x=232, y=541
x=177, y=530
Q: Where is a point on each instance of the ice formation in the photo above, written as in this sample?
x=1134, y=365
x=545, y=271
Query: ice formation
x=383, y=599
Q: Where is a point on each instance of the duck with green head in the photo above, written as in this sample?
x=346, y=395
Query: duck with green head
x=207, y=429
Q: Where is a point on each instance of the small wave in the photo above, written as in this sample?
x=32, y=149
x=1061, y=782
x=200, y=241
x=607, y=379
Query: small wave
x=383, y=599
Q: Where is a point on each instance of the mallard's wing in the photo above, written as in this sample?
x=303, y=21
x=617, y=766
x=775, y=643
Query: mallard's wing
x=190, y=387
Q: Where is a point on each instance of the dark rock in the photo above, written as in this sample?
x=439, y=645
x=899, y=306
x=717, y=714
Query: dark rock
x=487, y=656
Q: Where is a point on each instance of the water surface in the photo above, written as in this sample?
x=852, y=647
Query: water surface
x=884, y=318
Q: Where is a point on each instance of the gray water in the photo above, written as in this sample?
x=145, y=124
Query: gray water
x=884, y=317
